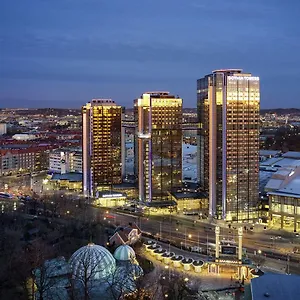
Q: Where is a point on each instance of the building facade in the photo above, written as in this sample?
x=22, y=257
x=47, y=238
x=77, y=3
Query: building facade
x=3, y=128
x=101, y=145
x=23, y=159
x=158, y=145
x=65, y=161
x=228, y=143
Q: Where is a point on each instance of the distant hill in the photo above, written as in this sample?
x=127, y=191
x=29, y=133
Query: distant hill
x=281, y=111
x=44, y=111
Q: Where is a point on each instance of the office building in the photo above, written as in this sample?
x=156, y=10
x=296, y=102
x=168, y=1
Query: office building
x=65, y=161
x=228, y=143
x=101, y=145
x=158, y=145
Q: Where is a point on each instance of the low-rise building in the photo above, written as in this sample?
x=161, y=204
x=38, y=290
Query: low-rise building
x=275, y=287
x=128, y=235
x=191, y=202
x=24, y=136
x=284, y=199
x=69, y=181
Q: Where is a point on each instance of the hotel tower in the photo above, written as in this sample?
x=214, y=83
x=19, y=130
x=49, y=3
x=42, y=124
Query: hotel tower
x=158, y=145
x=228, y=143
x=101, y=145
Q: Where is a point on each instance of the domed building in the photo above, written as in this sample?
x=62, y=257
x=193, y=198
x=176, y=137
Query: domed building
x=127, y=263
x=125, y=253
x=92, y=261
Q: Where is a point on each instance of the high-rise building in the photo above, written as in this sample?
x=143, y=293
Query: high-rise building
x=158, y=145
x=101, y=145
x=228, y=143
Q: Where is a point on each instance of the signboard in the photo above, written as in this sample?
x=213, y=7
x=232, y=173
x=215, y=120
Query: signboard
x=228, y=250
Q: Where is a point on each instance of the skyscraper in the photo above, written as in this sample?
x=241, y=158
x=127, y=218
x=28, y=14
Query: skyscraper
x=228, y=143
x=158, y=144
x=101, y=144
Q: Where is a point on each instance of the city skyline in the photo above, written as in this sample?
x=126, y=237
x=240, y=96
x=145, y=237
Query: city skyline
x=62, y=53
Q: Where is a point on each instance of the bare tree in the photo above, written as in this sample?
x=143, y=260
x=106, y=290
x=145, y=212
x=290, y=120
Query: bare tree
x=89, y=274
x=37, y=255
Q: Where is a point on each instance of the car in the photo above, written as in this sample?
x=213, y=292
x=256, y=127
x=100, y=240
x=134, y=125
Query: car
x=196, y=249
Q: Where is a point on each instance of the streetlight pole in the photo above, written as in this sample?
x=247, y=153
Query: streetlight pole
x=160, y=230
x=185, y=239
x=207, y=244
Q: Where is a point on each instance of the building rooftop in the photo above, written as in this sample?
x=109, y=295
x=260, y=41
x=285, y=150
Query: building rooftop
x=292, y=154
x=274, y=184
x=269, y=152
x=275, y=287
x=292, y=187
x=67, y=176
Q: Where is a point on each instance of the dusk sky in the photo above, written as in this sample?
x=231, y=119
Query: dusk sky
x=62, y=53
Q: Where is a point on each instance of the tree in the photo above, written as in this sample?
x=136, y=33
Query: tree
x=37, y=254
x=176, y=286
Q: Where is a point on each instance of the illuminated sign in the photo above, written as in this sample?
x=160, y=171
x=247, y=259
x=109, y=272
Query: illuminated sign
x=144, y=135
x=228, y=250
x=112, y=195
x=228, y=261
x=243, y=78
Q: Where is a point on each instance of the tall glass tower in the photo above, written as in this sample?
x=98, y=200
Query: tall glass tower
x=158, y=145
x=101, y=145
x=228, y=143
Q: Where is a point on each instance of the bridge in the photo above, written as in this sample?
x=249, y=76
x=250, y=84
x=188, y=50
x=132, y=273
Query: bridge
x=186, y=126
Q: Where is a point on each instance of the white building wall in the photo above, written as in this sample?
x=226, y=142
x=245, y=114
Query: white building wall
x=3, y=128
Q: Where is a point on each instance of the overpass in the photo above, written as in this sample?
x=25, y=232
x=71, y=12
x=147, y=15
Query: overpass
x=185, y=126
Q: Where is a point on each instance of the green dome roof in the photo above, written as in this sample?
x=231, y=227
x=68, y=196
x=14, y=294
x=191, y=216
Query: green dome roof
x=124, y=252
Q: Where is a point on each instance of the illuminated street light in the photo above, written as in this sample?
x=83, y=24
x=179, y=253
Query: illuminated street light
x=166, y=267
x=186, y=279
x=259, y=251
x=166, y=295
x=190, y=236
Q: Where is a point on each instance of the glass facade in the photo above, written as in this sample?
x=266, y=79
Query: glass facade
x=284, y=210
x=228, y=143
x=102, y=164
x=158, y=145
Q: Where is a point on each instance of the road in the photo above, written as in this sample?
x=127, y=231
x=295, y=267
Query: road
x=187, y=233
x=22, y=184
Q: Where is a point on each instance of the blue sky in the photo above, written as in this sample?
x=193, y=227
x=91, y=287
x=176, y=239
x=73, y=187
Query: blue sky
x=62, y=53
